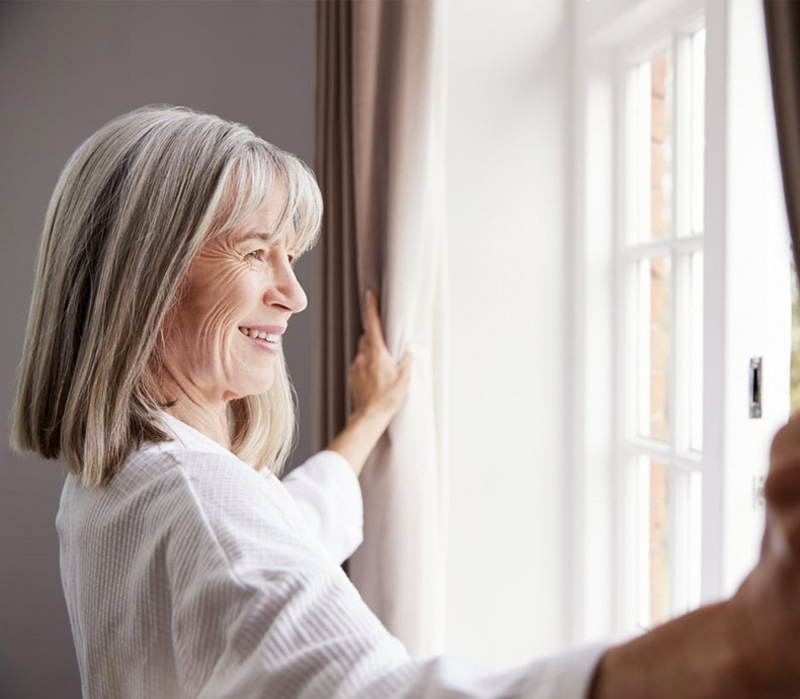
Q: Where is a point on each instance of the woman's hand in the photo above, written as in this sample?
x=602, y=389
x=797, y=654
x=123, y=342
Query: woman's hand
x=379, y=385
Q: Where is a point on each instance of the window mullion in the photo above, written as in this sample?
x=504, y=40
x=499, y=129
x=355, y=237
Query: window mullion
x=659, y=248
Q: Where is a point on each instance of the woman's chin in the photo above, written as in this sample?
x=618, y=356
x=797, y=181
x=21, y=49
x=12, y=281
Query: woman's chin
x=259, y=386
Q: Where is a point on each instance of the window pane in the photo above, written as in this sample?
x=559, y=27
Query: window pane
x=687, y=535
x=696, y=354
x=661, y=146
x=637, y=154
x=653, y=537
x=649, y=153
x=698, y=138
x=654, y=342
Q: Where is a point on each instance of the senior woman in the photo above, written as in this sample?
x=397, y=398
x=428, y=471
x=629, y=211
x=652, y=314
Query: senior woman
x=153, y=367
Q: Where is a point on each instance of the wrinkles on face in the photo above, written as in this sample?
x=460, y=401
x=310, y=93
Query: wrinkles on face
x=217, y=320
x=216, y=291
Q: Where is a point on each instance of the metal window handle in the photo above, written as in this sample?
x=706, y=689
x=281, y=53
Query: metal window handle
x=755, y=387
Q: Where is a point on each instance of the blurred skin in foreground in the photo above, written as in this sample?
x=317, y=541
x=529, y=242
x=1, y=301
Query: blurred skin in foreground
x=747, y=646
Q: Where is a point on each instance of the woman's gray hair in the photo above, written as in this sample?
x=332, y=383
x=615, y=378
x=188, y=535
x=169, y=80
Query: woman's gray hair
x=131, y=209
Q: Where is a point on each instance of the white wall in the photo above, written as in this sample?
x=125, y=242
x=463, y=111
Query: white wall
x=508, y=142
x=66, y=68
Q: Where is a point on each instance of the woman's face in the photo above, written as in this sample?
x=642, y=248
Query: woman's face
x=222, y=339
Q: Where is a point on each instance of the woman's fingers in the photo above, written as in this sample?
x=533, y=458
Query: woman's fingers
x=782, y=489
x=378, y=382
x=767, y=604
x=372, y=319
x=782, y=493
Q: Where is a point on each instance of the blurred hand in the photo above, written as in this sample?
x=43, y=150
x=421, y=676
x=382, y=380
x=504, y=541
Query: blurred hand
x=379, y=383
x=745, y=647
x=767, y=605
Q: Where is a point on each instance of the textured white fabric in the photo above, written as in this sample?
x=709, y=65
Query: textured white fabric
x=325, y=489
x=191, y=575
x=327, y=492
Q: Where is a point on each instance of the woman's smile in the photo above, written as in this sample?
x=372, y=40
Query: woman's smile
x=266, y=338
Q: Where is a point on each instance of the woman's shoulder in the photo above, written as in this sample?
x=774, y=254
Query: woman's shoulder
x=249, y=521
x=194, y=494
x=158, y=469
x=213, y=482
x=178, y=461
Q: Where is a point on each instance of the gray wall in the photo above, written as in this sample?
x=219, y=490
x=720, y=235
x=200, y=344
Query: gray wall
x=65, y=69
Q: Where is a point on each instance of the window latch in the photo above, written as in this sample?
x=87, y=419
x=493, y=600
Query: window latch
x=755, y=387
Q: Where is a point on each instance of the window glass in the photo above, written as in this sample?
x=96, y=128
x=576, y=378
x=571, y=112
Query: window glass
x=653, y=334
x=698, y=124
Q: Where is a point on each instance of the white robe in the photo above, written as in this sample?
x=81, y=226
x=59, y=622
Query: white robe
x=193, y=576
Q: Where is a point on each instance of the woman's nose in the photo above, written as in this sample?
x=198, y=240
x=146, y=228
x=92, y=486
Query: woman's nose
x=287, y=291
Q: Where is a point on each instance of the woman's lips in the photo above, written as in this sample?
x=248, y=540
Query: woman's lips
x=265, y=337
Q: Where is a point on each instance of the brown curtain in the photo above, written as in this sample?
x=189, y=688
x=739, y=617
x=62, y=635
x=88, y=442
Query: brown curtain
x=380, y=164
x=336, y=284
x=782, y=19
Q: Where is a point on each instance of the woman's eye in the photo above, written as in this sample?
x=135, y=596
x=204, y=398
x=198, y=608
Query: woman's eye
x=291, y=259
x=256, y=255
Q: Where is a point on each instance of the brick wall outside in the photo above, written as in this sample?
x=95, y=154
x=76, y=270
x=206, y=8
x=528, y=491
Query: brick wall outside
x=660, y=223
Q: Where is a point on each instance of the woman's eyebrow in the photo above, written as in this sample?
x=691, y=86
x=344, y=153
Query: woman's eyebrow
x=259, y=235
x=266, y=238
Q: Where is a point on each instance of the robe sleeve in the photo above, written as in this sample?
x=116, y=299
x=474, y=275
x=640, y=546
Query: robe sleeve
x=328, y=494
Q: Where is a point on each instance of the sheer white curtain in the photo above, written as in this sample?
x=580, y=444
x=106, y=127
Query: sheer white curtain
x=380, y=161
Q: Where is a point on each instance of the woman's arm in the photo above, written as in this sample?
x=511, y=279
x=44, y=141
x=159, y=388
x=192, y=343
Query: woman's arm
x=692, y=657
x=324, y=487
x=328, y=495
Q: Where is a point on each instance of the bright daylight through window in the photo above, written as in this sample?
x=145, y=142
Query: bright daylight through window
x=661, y=261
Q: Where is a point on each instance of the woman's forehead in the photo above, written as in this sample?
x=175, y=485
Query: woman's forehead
x=267, y=223
x=264, y=212
x=268, y=214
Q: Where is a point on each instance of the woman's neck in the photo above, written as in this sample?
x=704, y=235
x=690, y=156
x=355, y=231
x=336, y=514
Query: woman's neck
x=213, y=424
x=189, y=405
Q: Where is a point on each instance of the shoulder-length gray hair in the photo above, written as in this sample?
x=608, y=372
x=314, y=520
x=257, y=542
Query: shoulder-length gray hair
x=131, y=209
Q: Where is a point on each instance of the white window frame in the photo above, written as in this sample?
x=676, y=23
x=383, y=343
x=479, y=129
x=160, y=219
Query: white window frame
x=735, y=449
x=682, y=463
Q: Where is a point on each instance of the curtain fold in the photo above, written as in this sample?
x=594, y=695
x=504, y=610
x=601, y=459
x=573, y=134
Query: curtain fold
x=335, y=291
x=782, y=20
x=380, y=163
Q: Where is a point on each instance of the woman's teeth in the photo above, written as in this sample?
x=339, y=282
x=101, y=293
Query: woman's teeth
x=260, y=334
